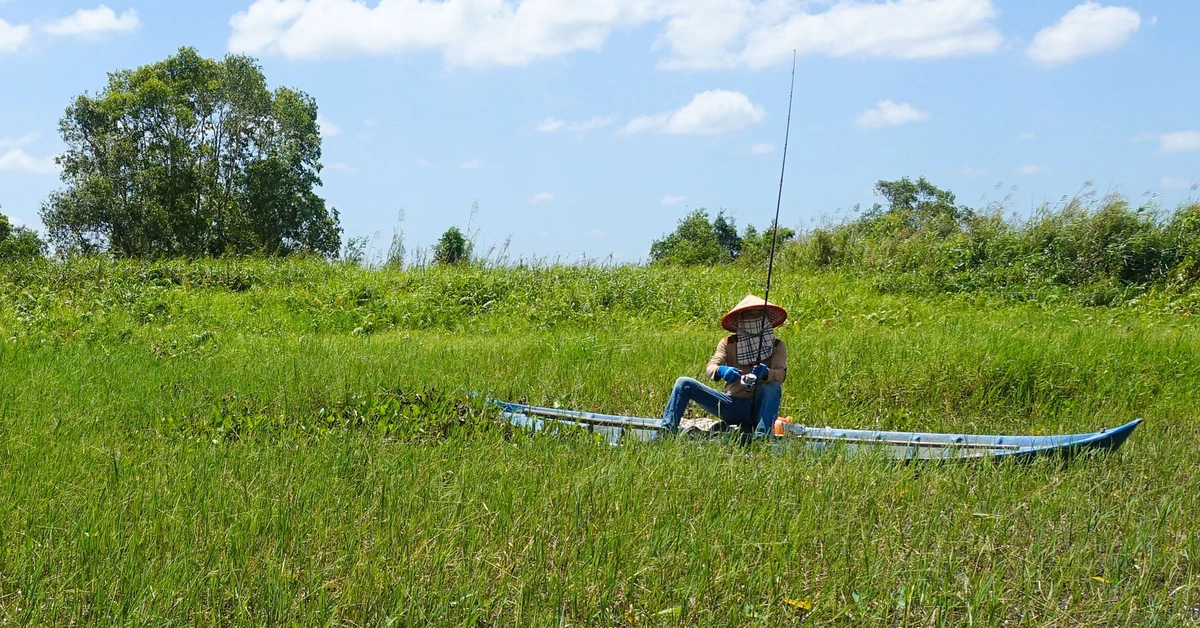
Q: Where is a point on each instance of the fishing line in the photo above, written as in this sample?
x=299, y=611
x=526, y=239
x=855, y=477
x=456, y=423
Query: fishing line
x=774, y=235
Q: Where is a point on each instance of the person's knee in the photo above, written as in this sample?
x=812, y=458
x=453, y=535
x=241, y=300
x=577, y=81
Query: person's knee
x=684, y=382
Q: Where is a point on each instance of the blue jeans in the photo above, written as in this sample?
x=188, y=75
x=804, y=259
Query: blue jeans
x=734, y=410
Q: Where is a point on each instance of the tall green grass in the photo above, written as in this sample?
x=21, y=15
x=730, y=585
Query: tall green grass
x=1096, y=251
x=291, y=442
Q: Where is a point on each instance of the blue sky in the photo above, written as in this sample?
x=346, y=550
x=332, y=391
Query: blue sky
x=590, y=127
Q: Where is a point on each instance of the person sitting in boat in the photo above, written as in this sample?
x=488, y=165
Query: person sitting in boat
x=752, y=363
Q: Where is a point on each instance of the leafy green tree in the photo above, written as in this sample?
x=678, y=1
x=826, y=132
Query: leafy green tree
x=915, y=207
x=19, y=243
x=452, y=248
x=756, y=245
x=189, y=157
x=725, y=230
x=696, y=241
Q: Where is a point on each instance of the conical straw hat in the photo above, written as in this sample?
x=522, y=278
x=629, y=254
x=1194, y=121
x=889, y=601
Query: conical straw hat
x=775, y=314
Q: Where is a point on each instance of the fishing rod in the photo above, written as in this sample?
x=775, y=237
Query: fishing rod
x=762, y=328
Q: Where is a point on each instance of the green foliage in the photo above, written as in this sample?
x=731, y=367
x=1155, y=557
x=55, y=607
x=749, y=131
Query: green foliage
x=756, y=245
x=453, y=248
x=190, y=157
x=293, y=442
x=914, y=207
x=697, y=241
x=1100, y=250
x=19, y=243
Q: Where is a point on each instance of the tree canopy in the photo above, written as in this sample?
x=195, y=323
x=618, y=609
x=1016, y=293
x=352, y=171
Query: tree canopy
x=453, y=247
x=699, y=240
x=189, y=157
x=915, y=206
x=18, y=243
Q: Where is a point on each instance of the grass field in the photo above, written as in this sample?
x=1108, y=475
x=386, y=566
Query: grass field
x=267, y=443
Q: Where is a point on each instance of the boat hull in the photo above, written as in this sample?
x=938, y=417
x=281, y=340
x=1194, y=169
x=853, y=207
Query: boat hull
x=896, y=445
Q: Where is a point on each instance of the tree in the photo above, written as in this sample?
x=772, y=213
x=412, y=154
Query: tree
x=19, y=243
x=756, y=245
x=916, y=206
x=191, y=156
x=697, y=241
x=452, y=248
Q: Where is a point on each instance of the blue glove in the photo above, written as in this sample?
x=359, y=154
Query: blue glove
x=760, y=372
x=728, y=373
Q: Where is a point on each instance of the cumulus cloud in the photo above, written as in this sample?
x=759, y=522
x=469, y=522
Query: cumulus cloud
x=17, y=160
x=12, y=36
x=694, y=35
x=550, y=125
x=897, y=29
x=1178, y=141
x=94, y=23
x=711, y=112
x=888, y=113
x=673, y=199
x=1085, y=30
x=1027, y=136
x=542, y=197
x=762, y=149
x=1030, y=169
x=471, y=164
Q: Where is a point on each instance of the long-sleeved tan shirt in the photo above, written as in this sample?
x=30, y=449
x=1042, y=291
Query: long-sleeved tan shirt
x=726, y=354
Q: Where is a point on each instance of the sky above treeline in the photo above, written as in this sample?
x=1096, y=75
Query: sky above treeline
x=589, y=127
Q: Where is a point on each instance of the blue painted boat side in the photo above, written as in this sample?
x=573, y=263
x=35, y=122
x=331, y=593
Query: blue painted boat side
x=901, y=445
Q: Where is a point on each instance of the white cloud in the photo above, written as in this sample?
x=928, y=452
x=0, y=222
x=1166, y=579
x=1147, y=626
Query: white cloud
x=327, y=126
x=898, y=29
x=583, y=126
x=714, y=111
x=94, y=23
x=24, y=140
x=694, y=35
x=762, y=149
x=973, y=171
x=673, y=199
x=1030, y=169
x=1178, y=183
x=16, y=222
x=550, y=125
x=1085, y=30
x=476, y=33
x=420, y=163
x=1027, y=136
x=341, y=166
x=596, y=233
x=12, y=36
x=542, y=197
x=17, y=160
x=370, y=123
x=471, y=164
x=888, y=113
x=1178, y=141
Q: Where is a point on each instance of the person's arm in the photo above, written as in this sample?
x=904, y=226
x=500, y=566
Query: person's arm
x=777, y=363
x=717, y=360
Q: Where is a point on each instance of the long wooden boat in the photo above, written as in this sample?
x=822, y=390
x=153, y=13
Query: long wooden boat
x=896, y=445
